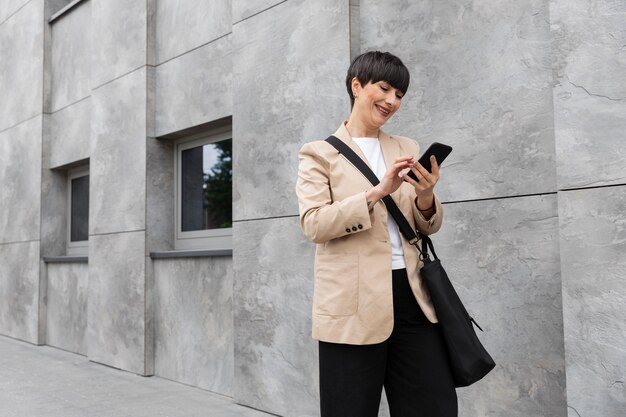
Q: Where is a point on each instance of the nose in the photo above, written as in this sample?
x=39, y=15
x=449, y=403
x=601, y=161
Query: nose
x=392, y=99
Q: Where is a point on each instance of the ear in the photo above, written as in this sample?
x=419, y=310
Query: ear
x=356, y=86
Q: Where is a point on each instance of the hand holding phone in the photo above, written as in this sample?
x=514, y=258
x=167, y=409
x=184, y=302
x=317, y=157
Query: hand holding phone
x=439, y=150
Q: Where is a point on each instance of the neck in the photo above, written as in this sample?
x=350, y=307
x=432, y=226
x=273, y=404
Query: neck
x=358, y=129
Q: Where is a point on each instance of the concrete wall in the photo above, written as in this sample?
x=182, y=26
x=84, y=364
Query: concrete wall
x=593, y=248
x=533, y=192
x=21, y=83
x=194, y=322
x=67, y=296
x=288, y=65
x=21, y=31
x=194, y=71
x=590, y=120
x=118, y=330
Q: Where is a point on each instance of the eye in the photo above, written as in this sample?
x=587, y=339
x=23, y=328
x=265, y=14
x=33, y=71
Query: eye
x=399, y=96
x=383, y=87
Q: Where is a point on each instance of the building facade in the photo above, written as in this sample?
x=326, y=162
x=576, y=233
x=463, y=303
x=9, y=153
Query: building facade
x=121, y=120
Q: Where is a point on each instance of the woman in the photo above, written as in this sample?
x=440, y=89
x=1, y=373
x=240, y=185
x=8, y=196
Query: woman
x=372, y=315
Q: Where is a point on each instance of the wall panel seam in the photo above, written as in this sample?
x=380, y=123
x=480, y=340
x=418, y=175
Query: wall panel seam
x=459, y=201
x=193, y=49
x=119, y=76
x=18, y=241
x=117, y=233
x=259, y=12
x=68, y=105
x=266, y=218
x=592, y=187
x=443, y=203
x=498, y=198
x=20, y=122
x=16, y=12
x=455, y=202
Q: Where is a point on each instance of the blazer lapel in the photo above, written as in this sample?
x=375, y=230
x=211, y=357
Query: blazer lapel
x=343, y=134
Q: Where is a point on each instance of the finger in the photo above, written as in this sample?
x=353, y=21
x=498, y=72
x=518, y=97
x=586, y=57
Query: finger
x=404, y=158
x=411, y=181
x=422, y=174
x=421, y=169
x=418, y=186
x=435, y=165
x=421, y=183
x=399, y=166
x=428, y=177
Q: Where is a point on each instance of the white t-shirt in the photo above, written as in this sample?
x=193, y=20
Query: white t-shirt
x=374, y=154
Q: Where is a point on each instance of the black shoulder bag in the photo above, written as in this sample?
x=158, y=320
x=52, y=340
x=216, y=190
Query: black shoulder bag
x=469, y=360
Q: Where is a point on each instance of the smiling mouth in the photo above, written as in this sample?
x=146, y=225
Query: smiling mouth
x=382, y=110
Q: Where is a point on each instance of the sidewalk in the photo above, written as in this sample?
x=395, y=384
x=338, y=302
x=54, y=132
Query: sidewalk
x=41, y=381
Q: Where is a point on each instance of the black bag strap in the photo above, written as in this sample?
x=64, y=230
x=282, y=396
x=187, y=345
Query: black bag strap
x=392, y=207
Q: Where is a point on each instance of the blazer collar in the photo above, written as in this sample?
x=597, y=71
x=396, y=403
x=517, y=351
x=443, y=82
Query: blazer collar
x=390, y=147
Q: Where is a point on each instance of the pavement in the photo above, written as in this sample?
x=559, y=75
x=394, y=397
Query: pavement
x=42, y=381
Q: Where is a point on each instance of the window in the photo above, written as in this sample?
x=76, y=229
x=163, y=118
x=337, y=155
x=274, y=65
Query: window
x=78, y=211
x=204, y=192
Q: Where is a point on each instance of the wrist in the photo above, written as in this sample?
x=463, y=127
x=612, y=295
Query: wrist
x=373, y=195
x=425, y=203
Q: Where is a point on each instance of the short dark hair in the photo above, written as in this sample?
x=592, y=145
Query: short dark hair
x=377, y=66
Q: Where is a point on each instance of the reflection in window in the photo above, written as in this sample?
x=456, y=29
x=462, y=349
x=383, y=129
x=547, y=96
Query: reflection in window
x=206, y=186
x=79, y=210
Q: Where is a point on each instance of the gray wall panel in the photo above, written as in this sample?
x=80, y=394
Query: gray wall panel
x=195, y=88
x=243, y=9
x=19, y=290
x=160, y=192
x=503, y=257
x=289, y=64
x=9, y=7
x=590, y=94
x=118, y=155
x=481, y=82
x=185, y=25
x=70, y=133
x=117, y=286
x=20, y=181
x=21, y=66
x=66, y=324
x=53, y=237
x=275, y=357
x=70, y=55
x=593, y=262
x=120, y=28
x=194, y=322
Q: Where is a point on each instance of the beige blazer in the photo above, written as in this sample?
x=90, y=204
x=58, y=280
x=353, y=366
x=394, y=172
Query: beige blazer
x=352, y=300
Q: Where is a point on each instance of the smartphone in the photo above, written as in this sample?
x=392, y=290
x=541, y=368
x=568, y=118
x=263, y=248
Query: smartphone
x=440, y=150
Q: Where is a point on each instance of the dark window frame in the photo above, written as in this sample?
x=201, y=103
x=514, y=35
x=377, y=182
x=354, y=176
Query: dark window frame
x=79, y=247
x=214, y=239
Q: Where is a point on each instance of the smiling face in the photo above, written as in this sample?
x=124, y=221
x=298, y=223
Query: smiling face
x=375, y=103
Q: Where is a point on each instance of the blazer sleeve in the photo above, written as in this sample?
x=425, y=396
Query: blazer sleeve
x=431, y=225
x=322, y=218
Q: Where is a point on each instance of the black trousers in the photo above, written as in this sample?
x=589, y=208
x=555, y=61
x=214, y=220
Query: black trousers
x=412, y=366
